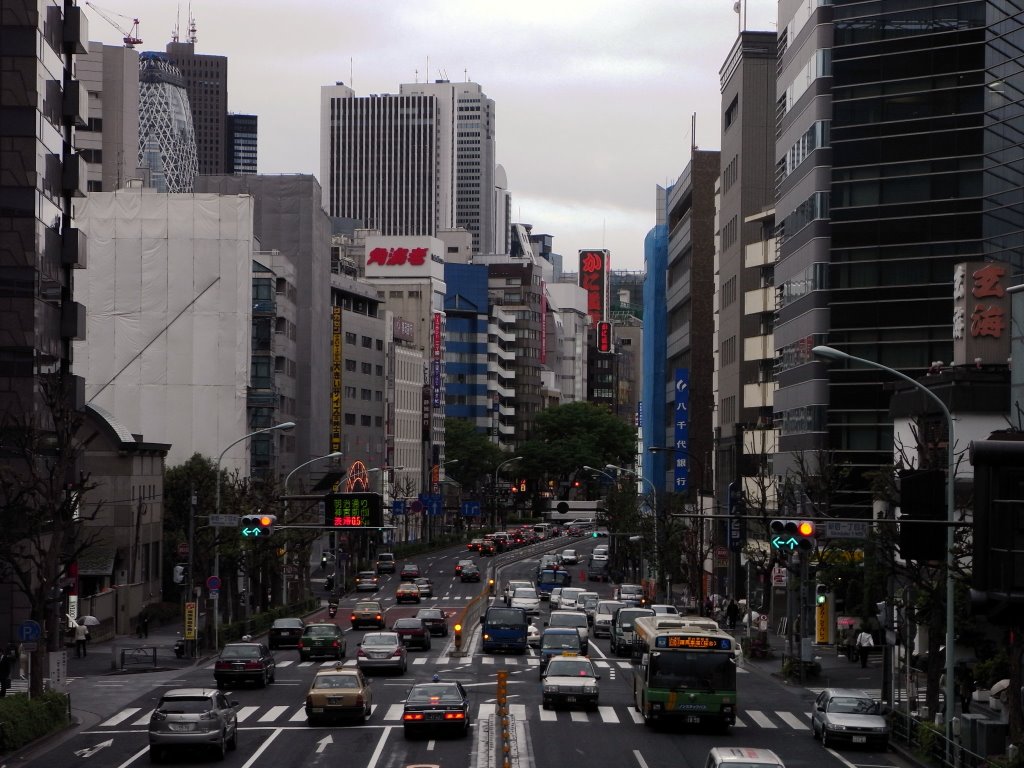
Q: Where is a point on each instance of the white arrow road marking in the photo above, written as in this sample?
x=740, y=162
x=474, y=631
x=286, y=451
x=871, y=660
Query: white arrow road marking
x=322, y=744
x=90, y=751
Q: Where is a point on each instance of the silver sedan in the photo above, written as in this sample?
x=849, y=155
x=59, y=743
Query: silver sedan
x=382, y=650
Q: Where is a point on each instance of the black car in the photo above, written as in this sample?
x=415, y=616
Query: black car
x=412, y=631
x=429, y=707
x=240, y=662
x=285, y=632
x=435, y=620
x=469, y=573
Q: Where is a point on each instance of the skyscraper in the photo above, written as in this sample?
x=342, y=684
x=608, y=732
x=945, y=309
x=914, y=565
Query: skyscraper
x=898, y=147
x=241, y=144
x=205, y=78
x=167, y=141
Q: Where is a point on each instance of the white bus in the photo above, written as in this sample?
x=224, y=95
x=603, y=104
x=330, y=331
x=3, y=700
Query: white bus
x=543, y=530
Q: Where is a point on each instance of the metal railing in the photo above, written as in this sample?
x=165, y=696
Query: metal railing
x=927, y=742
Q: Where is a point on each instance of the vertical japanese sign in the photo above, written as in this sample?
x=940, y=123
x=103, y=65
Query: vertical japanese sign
x=981, y=313
x=191, y=614
x=681, y=419
x=435, y=361
x=543, y=323
x=335, y=436
x=426, y=401
x=594, y=268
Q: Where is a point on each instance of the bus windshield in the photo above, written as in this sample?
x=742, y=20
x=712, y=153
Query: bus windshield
x=505, y=618
x=698, y=671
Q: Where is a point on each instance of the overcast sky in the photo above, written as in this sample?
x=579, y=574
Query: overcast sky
x=593, y=99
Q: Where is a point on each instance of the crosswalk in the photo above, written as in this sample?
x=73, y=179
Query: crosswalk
x=284, y=715
x=446, y=660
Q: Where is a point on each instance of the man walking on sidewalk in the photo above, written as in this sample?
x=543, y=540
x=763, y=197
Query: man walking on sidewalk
x=81, y=639
x=864, y=642
x=5, y=672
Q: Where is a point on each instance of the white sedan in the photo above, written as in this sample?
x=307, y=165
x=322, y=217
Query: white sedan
x=527, y=599
x=570, y=557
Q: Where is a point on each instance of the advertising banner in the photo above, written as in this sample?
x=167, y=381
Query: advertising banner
x=681, y=420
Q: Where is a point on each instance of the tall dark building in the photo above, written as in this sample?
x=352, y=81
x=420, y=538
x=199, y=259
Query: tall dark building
x=241, y=144
x=206, y=83
x=899, y=155
x=41, y=105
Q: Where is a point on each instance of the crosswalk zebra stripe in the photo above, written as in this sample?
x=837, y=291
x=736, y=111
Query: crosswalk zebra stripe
x=120, y=717
x=245, y=712
x=608, y=714
x=442, y=659
x=305, y=663
x=299, y=716
x=394, y=712
x=144, y=720
x=420, y=660
x=579, y=717
x=486, y=710
x=739, y=722
x=272, y=714
x=792, y=720
x=637, y=717
x=547, y=715
x=285, y=663
x=487, y=660
x=760, y=718
x=600, y=664
x=517, y=711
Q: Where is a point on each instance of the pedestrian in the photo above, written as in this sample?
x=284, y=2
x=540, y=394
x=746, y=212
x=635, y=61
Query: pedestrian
x=5, y=672
x=709, y=607
x=22, y=658
x=144, y=624
x=864, y=643
x=732, y=612
x=966, y=689
x=81, y=639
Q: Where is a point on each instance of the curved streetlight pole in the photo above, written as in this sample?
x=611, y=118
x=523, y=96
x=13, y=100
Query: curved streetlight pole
x=284, y=556
x=216, y=544
x=654, y=511
x=600, y=471
x=831, y=353
x=497, y=469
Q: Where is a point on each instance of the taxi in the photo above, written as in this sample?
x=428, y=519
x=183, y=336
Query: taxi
x=338, y=692
x=367, y=581
x=407, y=593
x=368, y=612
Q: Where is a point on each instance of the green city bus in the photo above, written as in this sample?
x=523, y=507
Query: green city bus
x=684, y=672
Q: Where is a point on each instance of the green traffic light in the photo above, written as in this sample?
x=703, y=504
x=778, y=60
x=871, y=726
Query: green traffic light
x=821, y=599
x=593, y=534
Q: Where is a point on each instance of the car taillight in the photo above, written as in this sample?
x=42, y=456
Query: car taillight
x=412, y=716
x=252, y=665
x=210, y=715
x=360, y=652
x=352, y=617
x=378, y=617
x=454, y=715
x=360, y=700
x=398, y=651
x=159, y=715
x=301, y=646
x=334, y=644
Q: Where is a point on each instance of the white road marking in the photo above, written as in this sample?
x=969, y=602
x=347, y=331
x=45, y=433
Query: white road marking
x=121, y=716
x=760, y=718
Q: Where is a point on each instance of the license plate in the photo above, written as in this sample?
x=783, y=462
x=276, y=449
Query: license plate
x=570, y=699
x=860, y=739
x=335, y=700
x=692, y=719
x=318, y=710
x=434, y=716
x=179, y=727
x=568, y=653
x=238, y=667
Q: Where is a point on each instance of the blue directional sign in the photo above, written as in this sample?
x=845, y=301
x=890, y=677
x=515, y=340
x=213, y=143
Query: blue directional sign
x=432, y=504
x=398, y=506
x=29, y=631
x=471, y=509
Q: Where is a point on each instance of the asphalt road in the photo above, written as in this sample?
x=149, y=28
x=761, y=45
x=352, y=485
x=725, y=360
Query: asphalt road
x=274, y=733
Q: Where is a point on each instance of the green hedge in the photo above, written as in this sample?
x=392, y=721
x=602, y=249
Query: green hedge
x=260, y=622
x=23, y=720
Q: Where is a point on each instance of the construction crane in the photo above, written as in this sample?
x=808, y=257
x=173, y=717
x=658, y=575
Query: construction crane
x=131, y=37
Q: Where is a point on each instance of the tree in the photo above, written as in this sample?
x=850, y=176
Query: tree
x=470, y=454
x=567, y=437
x=41, y=495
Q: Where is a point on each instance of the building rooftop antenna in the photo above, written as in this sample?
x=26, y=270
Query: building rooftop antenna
x=192, y=38
x=177, y=25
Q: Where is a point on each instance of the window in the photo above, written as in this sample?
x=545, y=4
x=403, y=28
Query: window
x=366, y=368
x=350, y=365
x=367, y=342
x=379, y=370
x=350, y=392
x=731, y=112
x=350, y=338
x=350, y=419
x=365, y=394
x=364, y=420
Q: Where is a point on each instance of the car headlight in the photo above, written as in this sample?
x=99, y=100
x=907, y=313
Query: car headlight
x=590, y=689
x=835, y=727
x=550, y=688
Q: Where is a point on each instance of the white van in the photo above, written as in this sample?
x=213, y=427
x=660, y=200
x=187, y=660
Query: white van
x=747, y=757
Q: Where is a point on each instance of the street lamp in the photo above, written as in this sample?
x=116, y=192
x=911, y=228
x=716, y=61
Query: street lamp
x=216, y=541
x=830, y=353
x=497, y=469
x=654, y=514
x=284, y=556
x=601, y=472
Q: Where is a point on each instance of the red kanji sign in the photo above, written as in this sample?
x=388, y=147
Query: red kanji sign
x=394, y=257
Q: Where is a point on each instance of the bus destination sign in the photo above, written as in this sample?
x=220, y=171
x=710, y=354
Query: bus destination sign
x=694, y=642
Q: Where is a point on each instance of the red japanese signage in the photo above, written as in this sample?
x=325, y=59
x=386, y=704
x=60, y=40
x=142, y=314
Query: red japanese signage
x=594, y=267
x=981, y=313
x=396, y=257
x=604, y=336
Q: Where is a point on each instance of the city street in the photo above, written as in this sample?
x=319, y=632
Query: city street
x=273, y=729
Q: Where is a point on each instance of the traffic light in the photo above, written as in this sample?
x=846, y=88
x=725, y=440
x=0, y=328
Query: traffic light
x=789, y=535
x=257, y=526
x=593, y=534
x=180, y=571
x=821, y=595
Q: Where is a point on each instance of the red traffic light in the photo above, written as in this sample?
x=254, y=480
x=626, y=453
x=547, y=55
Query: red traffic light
x=805, y=528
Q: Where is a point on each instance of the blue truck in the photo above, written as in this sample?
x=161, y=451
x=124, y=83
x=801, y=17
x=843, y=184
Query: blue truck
x=504, y=629
x=549, y=578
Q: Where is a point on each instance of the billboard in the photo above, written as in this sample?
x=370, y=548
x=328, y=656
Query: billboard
x=981, y=313
x=353, y=510
x=594, y=270
x=404, y=257
x=336, y=363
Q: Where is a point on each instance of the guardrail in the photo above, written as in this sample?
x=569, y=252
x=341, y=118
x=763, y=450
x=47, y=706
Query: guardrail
x=138, y=655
